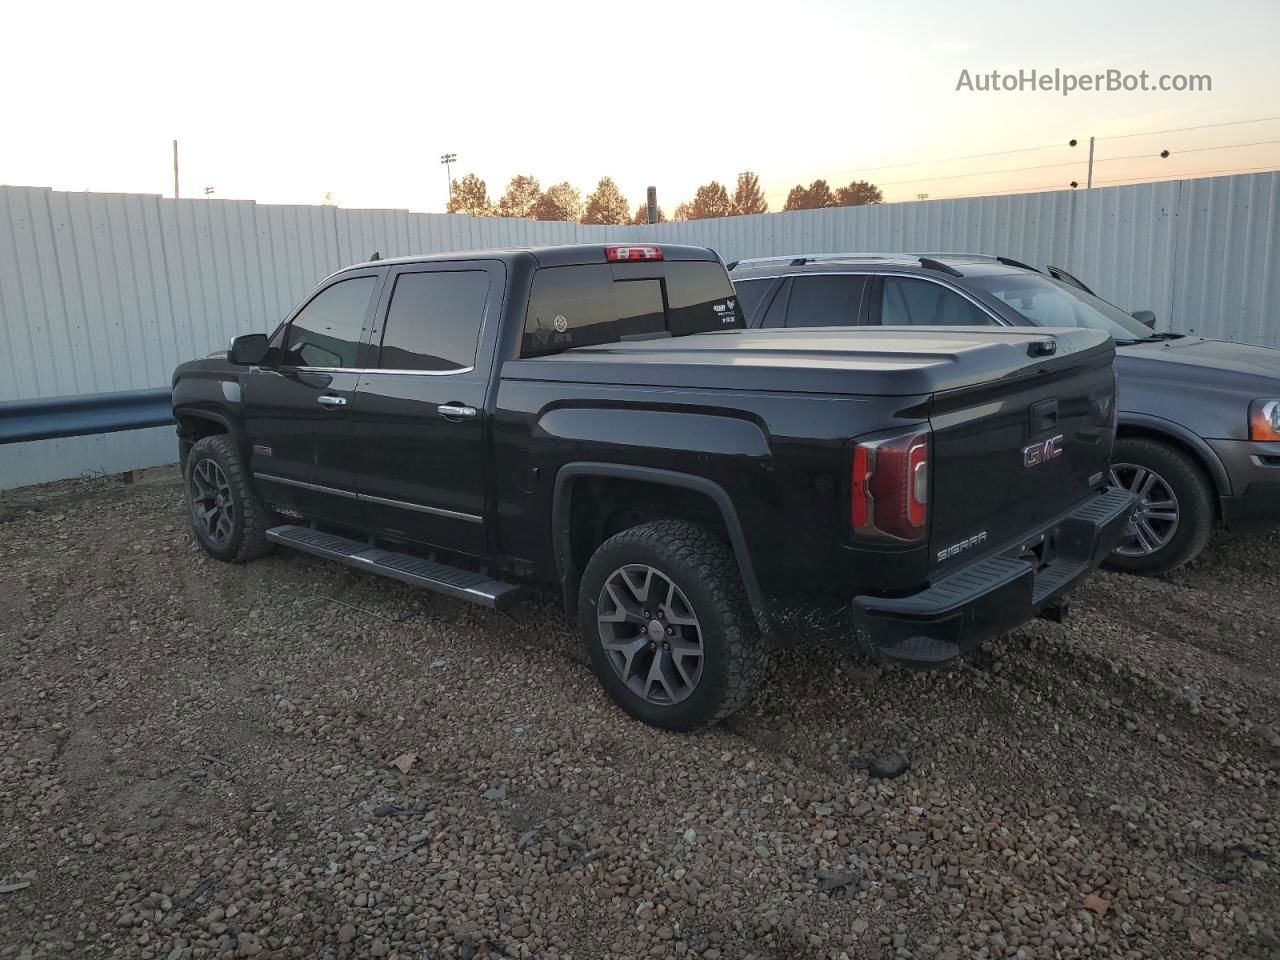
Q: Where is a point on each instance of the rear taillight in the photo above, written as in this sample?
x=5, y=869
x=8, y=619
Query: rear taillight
x=633, y=252
x=890, y=487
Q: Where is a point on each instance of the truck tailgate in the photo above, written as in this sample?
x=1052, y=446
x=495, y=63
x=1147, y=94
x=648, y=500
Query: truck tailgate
x=1010, y=455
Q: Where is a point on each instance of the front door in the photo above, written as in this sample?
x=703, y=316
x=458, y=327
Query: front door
x=297, y=406
x=419, y=422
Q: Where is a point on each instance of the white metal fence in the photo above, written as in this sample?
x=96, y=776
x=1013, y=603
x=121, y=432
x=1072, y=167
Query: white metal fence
x=102, y=292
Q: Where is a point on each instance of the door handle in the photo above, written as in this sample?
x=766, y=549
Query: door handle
x=457, y=411
x=330, y=401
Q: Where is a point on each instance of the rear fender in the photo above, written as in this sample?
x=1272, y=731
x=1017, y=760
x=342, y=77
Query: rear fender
x=561, y=512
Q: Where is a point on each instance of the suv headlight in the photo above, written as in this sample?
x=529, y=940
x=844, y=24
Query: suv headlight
x=1264, y=420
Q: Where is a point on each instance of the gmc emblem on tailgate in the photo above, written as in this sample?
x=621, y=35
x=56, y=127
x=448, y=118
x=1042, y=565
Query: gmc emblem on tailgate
x=1042, y=451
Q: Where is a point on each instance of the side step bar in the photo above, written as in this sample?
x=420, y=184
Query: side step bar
x=440, y=577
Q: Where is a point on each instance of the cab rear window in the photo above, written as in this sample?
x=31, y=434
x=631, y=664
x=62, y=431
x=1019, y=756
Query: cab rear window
x=583, y=305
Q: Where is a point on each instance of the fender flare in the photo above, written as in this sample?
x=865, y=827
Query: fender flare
x=1203, y=452
x=202, y=413
x=561, y=529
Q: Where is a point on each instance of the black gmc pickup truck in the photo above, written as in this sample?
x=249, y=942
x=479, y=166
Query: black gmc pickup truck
x=596, y=418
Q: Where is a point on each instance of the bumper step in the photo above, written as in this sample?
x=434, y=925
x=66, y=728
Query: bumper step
x=994, y=594
x=405, y=567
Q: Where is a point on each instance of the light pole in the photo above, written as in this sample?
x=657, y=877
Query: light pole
x=448, y=159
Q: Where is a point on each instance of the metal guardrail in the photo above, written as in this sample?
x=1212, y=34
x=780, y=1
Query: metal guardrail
x=89, y=413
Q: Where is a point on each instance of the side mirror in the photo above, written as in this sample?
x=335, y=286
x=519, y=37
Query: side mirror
x=248, y=350
x=1145, y=317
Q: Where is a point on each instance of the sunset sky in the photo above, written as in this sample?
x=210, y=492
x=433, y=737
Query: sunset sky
x=283, y=102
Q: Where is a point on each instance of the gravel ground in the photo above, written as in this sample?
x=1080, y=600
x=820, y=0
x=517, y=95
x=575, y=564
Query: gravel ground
x=200, y=760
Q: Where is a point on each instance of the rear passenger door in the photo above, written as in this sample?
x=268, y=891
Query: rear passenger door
x=419, y=424
x=826, y=300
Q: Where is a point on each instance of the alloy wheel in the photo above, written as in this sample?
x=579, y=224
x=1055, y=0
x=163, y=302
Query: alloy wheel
x=212, y=506
x=650, y=634
x=1154, y=519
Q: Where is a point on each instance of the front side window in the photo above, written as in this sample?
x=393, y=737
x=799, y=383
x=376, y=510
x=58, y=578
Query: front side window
x=326, y=333
x=1048, y=302
x=434, y=320
x=825, y=301
x=907, y=301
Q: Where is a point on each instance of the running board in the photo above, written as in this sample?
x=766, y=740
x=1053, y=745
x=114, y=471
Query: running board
x=417, y=571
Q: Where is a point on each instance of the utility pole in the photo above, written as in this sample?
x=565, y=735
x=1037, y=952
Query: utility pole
x=448, y=159
x=1089, y=179
x=175, y=169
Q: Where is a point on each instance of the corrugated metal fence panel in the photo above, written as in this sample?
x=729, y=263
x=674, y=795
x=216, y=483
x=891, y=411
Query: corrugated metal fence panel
x=1121, y=244
x=85, y=308
x=1226, y=278
x=102, y=292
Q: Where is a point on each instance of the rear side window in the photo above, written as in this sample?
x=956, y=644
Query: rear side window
x=326, y=333
x=776, y=314
x=582, y=305
x=433, y=322
x=825, y=301
x=750, y=293
x=907, y=301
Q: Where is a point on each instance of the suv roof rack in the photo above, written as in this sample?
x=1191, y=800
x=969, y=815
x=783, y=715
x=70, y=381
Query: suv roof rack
x=800, y=259
x=1007, y=261
x=930, y=264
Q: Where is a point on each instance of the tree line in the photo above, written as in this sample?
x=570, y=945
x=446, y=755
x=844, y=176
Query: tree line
x=524, y=197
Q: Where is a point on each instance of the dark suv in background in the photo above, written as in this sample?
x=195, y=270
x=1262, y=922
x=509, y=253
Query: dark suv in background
x=1199, y=420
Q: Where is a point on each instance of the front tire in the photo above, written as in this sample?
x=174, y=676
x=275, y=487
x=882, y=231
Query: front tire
x=667, y=625
x=228, y=519
x=1175, y=514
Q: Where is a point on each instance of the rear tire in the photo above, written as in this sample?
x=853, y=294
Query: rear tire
x=1172, y=485
x=699, y=630
x=228, y=518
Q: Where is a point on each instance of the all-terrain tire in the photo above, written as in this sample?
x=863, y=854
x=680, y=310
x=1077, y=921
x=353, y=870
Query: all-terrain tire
x=705, y=571
x=250, y=517
x=1194, y=505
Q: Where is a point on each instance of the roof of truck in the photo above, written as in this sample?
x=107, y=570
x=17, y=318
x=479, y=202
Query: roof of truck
x=558, y=255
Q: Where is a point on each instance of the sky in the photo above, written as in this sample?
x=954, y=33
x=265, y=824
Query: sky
x=285, y=102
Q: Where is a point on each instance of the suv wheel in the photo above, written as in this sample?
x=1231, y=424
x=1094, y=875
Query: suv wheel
x=1174, y=516
x=667, y=625
x=227, y=517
